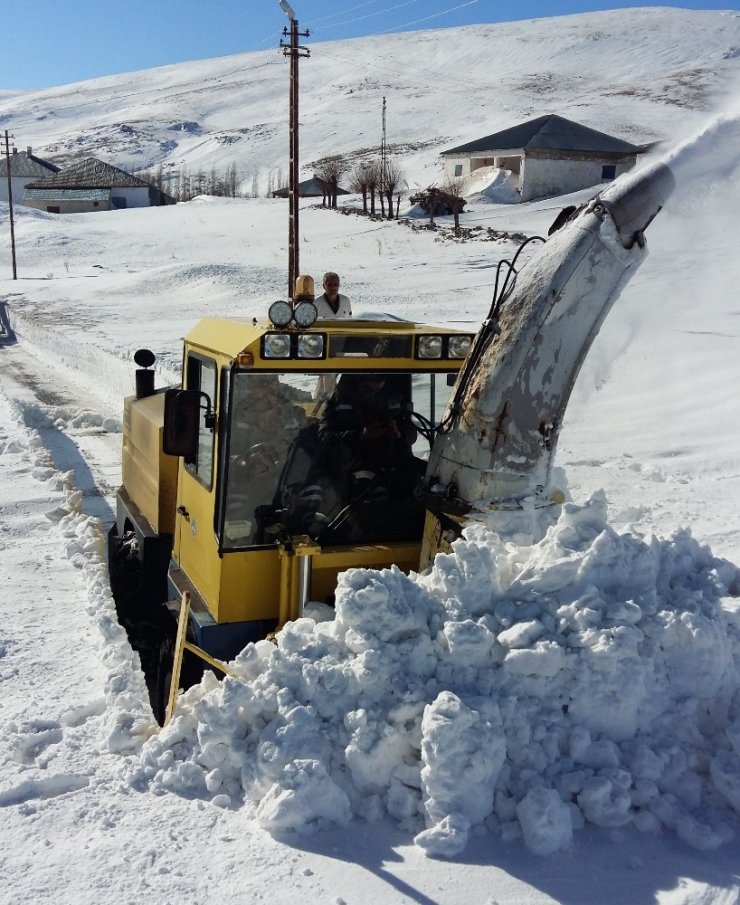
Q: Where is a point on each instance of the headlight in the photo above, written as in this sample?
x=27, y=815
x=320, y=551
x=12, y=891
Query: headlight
x=276, y=345
x=459, y=346
x=280, y=313
x=429, y=347
x=305, y=314
x=310, y=345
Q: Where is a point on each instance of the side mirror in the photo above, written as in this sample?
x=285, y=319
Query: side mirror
x=181, y=422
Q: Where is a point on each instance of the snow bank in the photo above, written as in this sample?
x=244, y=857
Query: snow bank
x=129, y=716
x=526, y=688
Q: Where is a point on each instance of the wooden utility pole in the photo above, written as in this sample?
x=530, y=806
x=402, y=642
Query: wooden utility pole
x=295, y=51
x=10, y=202
x=383, y=156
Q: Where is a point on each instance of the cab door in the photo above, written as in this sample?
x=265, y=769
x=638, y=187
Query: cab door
x=196, y=549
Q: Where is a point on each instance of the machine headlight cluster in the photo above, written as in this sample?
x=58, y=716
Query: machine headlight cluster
x=294, y=345
x=434, y=346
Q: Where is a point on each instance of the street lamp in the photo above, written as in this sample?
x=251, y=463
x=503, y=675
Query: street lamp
x=287, y=9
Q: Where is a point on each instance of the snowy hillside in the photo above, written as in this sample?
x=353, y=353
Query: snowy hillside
x=546, y=715
x=595, y=68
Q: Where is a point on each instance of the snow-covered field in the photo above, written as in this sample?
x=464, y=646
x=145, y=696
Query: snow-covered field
x=530, y=722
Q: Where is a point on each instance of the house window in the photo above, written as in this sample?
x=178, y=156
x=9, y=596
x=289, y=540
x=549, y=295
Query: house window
x=608, y=171
x=53, y=209
x=458, y=169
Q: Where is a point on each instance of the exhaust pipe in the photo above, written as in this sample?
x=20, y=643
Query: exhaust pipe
x=144, y=377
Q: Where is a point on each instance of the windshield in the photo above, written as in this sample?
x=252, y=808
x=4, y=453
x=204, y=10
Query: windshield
x=334, y=456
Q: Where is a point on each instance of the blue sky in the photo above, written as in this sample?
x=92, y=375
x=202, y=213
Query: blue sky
x=54, y=42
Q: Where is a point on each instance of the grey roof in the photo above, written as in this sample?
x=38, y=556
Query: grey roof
x=89, y=173
x=66, y=194
x=551, y=133
x=24, y=164
x=310, y=188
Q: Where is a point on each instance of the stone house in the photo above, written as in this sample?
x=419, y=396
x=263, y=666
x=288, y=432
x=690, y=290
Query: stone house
x=92, y=185
x=547, y=156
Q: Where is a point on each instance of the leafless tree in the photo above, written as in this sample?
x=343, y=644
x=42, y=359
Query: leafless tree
x=392, y=178
x=373, y=183
x=231, y=181
x=330, y=170
x=360, y=181
x=452, y=191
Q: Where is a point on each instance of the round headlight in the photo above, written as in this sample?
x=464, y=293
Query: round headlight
x=310, y=345
x=280, y=313
x=305, y=314
x=277, y=345
x=459, y=346
x=429, y=347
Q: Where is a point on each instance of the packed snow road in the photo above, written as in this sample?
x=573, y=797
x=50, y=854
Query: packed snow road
x=75, y=423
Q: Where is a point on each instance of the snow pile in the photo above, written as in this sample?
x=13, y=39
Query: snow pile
x=589, y=676
x=129, y=717
x=492, y=185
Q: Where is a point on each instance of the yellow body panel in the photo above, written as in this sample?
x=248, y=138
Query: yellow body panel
x=245, y=585
x=195, y=548
x=149, y=476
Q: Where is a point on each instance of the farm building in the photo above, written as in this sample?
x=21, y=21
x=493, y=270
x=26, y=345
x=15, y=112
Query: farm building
x=550, y=155
x=92, y=185
x=315, y=187
x=25, y=167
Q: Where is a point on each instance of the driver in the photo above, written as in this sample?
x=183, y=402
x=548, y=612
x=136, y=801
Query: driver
x=359, y=453
x=367, y=428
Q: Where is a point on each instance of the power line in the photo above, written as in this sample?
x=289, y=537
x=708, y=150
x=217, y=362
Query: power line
x=427, y=18
x=350, y=10
x=380, y=12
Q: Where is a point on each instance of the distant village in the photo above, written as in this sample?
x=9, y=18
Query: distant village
x=542, y=157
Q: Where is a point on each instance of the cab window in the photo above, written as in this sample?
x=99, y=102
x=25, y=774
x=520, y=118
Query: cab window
x=336, y=456
x=201, y=375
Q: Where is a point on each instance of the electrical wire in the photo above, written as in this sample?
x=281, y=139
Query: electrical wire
x=427, y=18
x=379, y=12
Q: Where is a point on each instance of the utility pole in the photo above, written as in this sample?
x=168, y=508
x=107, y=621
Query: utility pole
x=10, y=201
x=295, y=51
x=383, y=156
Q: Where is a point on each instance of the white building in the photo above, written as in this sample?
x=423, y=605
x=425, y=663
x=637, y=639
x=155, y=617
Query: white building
x=90, y=185
x=550, y=155
x=25, y=167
